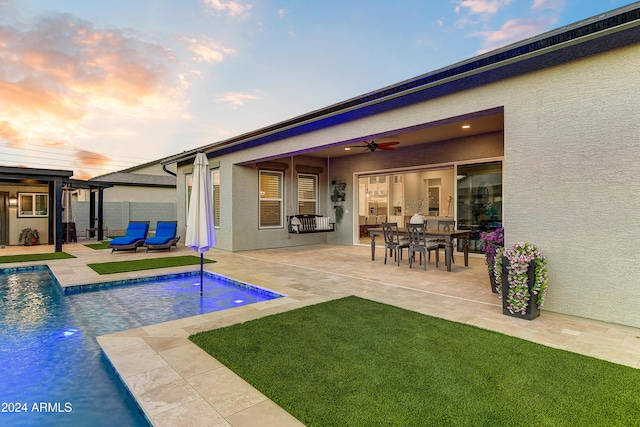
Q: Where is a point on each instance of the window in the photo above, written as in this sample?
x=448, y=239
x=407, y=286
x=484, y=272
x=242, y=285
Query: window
x=270, y=199
x=189, y=182
x=307, y=194
x=215, y=183
x=33, y=204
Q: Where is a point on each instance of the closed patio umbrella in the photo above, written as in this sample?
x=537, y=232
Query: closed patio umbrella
x=201, y=235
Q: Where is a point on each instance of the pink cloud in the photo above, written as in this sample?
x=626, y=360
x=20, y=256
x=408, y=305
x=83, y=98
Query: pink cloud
x=236, y=98
x=55, y=71
x=512, y=31
x=232, y=8
x=547, y=4
x=207, y=51
x=91, y=158
x=10, y=134
x=483, y=6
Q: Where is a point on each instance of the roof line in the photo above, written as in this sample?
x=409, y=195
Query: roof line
x=597, y=26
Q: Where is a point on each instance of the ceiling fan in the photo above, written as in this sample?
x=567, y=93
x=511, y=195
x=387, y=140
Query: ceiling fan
x=373, y=146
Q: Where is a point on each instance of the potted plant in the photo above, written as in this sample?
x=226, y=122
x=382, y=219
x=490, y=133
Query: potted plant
x=490, y=241
x=521, y=279
x=338, y=197
x=29, y=236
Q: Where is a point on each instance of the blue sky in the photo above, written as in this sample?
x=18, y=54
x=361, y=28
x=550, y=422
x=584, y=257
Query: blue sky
x=100, y=86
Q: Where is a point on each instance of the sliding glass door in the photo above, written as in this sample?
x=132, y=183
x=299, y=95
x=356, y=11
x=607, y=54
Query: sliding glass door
x=471, y=194
x=479, y=204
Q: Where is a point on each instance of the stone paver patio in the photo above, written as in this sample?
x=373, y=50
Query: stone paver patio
x=177, y=384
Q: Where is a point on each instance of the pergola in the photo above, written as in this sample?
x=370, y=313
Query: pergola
x=57, y=180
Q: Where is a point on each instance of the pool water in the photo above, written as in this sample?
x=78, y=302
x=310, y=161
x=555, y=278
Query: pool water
x=52, y=371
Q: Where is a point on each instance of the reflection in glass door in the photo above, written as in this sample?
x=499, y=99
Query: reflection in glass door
x=391, y=197
x=479, y=199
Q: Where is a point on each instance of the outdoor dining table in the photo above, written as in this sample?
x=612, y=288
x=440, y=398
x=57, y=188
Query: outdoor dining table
x=447, y=236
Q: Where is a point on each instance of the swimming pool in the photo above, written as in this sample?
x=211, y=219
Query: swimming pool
x=52, y=371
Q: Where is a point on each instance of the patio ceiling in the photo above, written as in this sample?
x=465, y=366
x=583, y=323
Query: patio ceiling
x=429, y=132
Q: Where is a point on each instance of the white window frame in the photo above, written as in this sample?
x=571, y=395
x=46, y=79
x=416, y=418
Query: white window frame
x=33, y=214
x=216, y=200
x=271, y=199
x=215, y=188
x=315, y=190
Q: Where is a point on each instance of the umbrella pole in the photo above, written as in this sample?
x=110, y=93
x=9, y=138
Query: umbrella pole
x=201, y=264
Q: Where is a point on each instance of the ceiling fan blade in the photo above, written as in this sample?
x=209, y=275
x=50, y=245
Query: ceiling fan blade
x=373, y=146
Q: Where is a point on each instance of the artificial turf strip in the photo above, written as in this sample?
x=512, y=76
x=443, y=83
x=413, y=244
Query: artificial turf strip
x=98, y=246
x=35, y=257
x=356, y=362
x=145, y=264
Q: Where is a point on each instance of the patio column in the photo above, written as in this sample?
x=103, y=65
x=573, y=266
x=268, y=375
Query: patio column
x=100, y=214
x=56, y=230
x=92, y=208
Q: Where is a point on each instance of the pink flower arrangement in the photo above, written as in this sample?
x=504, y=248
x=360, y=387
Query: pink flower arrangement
x=520, y=256
x=490, y=241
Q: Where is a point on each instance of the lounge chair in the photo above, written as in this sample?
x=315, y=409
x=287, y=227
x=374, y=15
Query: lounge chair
x=165, y=236
x=133, y=238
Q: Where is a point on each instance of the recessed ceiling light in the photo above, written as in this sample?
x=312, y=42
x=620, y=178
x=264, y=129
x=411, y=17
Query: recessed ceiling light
x=466, y=126
x=347, y=149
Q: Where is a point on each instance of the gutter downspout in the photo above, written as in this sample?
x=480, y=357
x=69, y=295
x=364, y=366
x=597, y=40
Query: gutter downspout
x=164, y=168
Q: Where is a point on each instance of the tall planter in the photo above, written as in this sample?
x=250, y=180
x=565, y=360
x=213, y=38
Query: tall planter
x=532, y=308
x=490, y=243
x=492, y=281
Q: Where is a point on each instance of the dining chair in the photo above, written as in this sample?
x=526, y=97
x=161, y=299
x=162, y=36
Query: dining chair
x=446, y=225
x=418, y=243
x=392, y=241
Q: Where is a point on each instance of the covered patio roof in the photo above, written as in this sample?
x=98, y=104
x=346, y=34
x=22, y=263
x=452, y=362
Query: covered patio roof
x=56, y=180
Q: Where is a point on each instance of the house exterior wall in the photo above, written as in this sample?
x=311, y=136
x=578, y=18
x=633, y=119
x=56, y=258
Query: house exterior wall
x=126, y=193
x=570, y=175
x=239, y=229
x=572, y=184
x=16, y=224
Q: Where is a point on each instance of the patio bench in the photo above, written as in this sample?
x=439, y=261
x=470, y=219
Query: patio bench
x=302, y=224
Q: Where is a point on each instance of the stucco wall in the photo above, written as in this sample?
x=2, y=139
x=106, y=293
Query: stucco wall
x=126, y=193
x=571, y=181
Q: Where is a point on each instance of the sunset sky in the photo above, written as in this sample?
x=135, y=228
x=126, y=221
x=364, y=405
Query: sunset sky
x=101, y=86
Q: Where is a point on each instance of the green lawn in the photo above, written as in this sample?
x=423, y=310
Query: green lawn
x=98, y=246
x=35, y=257
x=145, y=264
x=354, y=362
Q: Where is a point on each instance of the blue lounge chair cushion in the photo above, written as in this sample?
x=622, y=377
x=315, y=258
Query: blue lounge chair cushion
x=136, y=231
x=165, y=233
x=125, y=240
x=166, y=229
x=158, y=240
